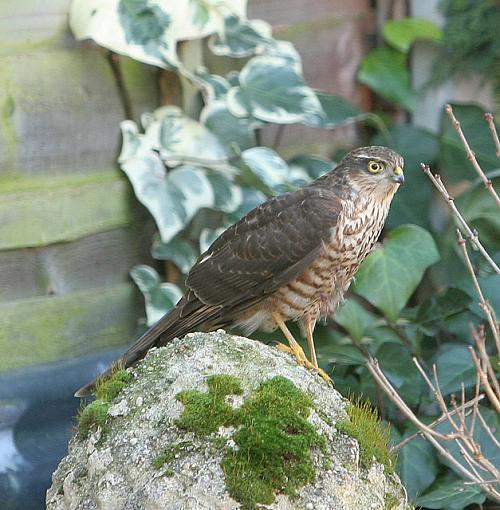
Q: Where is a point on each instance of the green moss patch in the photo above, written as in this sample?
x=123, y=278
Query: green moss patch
x=372, y=434
x=204, y=413
x=92, y=416
x=95, y=414
x=273, y=437
x=108, y=389
x=390, y=502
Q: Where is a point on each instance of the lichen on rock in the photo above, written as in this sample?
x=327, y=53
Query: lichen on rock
x=215, y=421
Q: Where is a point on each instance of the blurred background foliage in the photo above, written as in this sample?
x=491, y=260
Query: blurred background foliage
x=199, y=170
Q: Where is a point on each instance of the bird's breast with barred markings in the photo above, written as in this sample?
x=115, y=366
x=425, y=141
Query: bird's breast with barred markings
x=320, y=288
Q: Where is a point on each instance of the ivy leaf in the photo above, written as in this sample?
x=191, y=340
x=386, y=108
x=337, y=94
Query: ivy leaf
x=482, y=437
x=272, y=91
x=441, y=307
x=230, y=130
x=454, y=366
x=411, y=202
x=451, y=496
x=180, y=138
x=215, y=86
x=385, y=71
x=179, y=251
x=173, y=198
x=336, y=111
x=267, y=166
x=251, y=198
x=452, y=161
x=417, y=465
x=159, y=297
x=208, y=236
x=240, y=38
x=402, y=33
x=396, y=362
x=139, y=29
x=227, y=196
x=354, y=318
x=314, y=166
x=389, y=275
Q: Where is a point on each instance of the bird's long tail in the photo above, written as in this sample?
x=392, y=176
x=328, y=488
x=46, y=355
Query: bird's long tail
x=185, y=318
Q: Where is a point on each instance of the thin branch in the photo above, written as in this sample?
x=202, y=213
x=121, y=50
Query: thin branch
x=471, y=403
x=474, y=238
x=484, y=380
x=488, y=117
x=470, y=154
x=485, y=306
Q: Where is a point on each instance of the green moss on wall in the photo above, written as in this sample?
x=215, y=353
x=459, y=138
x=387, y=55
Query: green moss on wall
x=273, y=437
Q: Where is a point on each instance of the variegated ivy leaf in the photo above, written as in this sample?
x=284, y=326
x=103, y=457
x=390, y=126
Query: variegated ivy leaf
x=148, y=30
x=214, y=86
x=267, y=166
x=240, y=38
x=272, y=91
x=286, y=51
x=229, y=129
x=159, y=297
x=336, y=111
x=172, y=199
x=227, y=196
x=208, y=236
x=314, y=166
x=178, y=251
x=178, y=138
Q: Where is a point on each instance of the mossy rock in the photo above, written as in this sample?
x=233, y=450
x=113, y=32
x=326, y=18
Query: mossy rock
x=215, y=421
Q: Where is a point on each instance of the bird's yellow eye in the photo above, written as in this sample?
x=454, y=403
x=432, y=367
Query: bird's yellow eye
x=375, y=167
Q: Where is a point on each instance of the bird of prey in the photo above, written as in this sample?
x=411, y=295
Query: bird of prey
x=291, y=258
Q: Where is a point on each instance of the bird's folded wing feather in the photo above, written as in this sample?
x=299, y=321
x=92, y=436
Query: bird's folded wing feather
x=265, y=250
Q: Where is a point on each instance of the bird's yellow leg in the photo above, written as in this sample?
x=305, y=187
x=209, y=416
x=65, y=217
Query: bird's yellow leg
x=297, y=350
x=309, y=324
x=309, y=327
x=294, y=348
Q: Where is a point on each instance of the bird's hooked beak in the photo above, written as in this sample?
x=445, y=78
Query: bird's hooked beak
x=398, y=176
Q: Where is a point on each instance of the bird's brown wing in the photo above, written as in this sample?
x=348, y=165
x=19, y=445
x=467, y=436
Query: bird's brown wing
x=265, y=250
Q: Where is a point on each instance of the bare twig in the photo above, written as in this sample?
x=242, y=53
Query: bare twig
x=488, y=117
x=474, y=238
x=485, y=305
x=470, y=154
x=470, y=451
x=465, y=407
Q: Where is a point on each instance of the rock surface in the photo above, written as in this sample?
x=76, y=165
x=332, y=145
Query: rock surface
x=116, y=466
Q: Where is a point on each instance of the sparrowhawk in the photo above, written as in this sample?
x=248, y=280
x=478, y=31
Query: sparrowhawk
x=291, y=258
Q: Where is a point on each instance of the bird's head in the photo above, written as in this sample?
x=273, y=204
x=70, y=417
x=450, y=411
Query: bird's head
x=374, y=169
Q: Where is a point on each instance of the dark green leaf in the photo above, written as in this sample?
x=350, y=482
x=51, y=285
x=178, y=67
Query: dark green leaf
x=416, y=145
x=451, y=496
x=441, y=307
x=487, y=445
x=354, y=318
x=337, y=111
x=454, y=365
x=159, y=297
x=417, y=465
x=396, y=362
x=403, y=32
x=385, y=71
x=452, y=161
x=388, y=276
x=178, y=251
